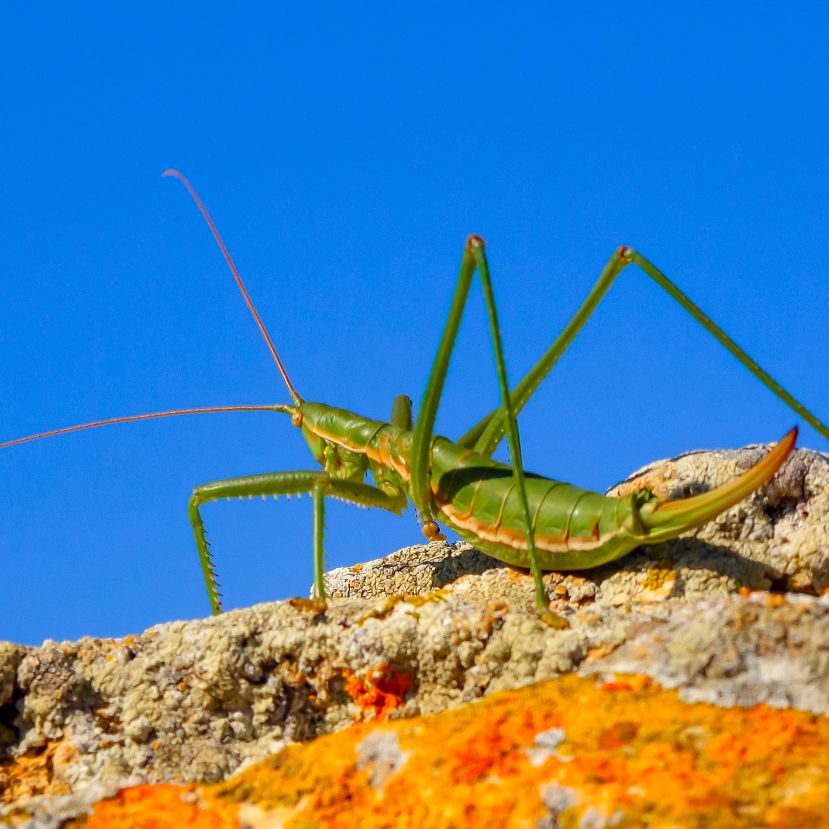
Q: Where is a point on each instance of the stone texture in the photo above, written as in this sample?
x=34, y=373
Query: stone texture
x=562, y=754
x=194, y=701
x=784, y=527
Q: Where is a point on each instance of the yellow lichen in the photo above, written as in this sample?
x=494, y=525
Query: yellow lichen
x=315, y=605
x=657, y=577
x=385, y=610
x=33, y=773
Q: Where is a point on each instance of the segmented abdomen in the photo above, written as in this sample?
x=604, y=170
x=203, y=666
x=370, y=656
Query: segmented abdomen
x=573, y=528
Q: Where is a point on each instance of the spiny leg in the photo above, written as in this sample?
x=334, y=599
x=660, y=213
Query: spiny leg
x=282, y=483
x=473, y=258
x=542, y=601
x=485, y=435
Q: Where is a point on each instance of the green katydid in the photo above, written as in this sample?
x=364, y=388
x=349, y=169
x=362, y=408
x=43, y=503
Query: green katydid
x=523, y=519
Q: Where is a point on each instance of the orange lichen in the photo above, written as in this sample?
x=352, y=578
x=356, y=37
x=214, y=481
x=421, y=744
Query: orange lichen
x=163, y=806
x=379, y=691
x=623, y=751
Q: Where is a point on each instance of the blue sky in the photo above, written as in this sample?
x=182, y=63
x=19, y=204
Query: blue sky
x=346, y=151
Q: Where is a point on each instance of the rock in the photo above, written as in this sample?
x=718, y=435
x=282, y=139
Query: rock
x=575, y=752
x=192, y=702
x=782, y=529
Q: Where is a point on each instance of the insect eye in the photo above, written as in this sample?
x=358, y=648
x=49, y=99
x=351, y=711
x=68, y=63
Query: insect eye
x=296, y=418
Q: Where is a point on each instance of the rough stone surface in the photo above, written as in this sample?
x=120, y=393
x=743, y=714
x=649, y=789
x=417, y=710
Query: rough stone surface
x=573, y=752
x=784, y=528
x=193, y=701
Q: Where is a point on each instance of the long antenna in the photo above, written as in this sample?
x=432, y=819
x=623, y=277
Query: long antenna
x=150, y=416
x=248, y=301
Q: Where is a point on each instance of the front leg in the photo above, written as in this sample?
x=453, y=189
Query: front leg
x=319, y=484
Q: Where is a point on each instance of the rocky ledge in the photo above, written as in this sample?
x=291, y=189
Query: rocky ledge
x=689, y=679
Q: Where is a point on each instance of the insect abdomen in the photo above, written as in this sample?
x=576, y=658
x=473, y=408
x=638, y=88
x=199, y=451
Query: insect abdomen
x=573, y=528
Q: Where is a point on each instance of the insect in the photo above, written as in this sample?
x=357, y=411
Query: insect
x=523, y=519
